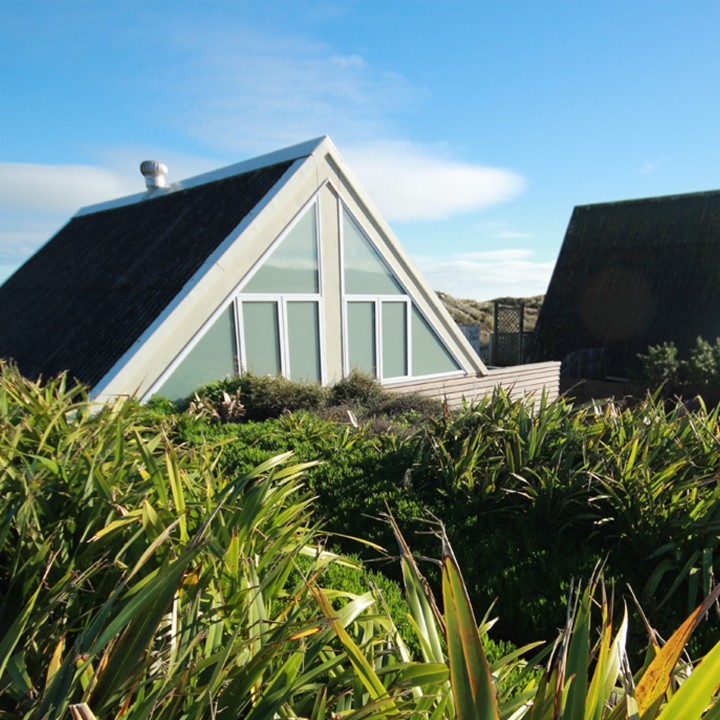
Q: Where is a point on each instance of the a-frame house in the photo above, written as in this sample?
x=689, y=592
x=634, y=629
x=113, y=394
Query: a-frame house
x=277, y=265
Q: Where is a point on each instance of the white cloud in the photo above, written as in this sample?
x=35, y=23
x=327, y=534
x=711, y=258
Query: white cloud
x=487, y=275
x=251, y=93
x=255, y=94
x=504, y=255
x=36, y=200
x=58, y=188
x=513, y=235
x=648, y=168
x=415, y=182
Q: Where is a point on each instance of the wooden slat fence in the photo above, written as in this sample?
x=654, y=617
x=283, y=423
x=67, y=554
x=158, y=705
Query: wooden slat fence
x=520, y=381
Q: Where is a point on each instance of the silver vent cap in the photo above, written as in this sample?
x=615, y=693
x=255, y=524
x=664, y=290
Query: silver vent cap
x=154, y=173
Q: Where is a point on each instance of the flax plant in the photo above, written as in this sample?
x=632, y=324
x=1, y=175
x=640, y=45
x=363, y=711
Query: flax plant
x=139, y=582
x=587, y=674
x=143, y=583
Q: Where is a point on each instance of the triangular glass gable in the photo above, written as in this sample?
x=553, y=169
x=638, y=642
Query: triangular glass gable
x=429, y=354
x=292, y=267
x=212, y=358
x=365, y=272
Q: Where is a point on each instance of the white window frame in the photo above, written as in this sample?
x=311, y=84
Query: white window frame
x=281, y=301
x=377, y=301
x=236, y=296
x=405, y=296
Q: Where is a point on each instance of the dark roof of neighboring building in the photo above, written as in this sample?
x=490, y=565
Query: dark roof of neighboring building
x=633, y=274
x=92, y=290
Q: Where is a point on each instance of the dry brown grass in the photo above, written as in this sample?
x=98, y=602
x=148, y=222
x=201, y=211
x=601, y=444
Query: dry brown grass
x=475, y=312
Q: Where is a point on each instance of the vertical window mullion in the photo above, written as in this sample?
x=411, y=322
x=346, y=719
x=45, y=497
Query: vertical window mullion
x=239, y=344
x=240, y=324
x=378, y=339
x=408, y=338
x=283, y=331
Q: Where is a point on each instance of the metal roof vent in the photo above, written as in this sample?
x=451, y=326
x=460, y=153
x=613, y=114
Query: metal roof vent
x=154, y=173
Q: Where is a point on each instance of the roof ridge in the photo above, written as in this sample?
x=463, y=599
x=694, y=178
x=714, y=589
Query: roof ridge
x=294, y=152
x=653, y=198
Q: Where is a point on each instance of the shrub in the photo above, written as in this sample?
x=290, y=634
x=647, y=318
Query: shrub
x=661, y=365
x=357, y=389
x=703, y=365
x=142, y=581
x=267, y=396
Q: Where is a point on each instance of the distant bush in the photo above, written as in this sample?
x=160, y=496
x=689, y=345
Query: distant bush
x=267, y=396
x=662, y=366
x=367, y=397
x=261, y=397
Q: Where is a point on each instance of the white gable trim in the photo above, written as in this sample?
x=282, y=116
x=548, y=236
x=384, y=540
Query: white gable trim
x=179, y=327
x=269, y=297
x=213, y=259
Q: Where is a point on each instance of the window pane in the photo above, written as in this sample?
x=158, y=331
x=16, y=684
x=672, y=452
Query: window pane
x=365, y=272
x=213, y=358
x=304, y=340
x=293, y=265
x=429, y=355
x=361, y=336
x=394, y=339
x=262, y=338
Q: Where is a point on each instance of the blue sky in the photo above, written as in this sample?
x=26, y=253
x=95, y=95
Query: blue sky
x=475, y=126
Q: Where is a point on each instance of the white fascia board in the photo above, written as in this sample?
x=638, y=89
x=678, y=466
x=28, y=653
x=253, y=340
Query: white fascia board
x=474, y=363
x=296, y=152
x=215, y=259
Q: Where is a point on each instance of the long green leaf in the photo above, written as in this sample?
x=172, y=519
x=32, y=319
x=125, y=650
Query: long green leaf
x=693, y=698
x=365, y=672
x=656, y=679
x=470, y=676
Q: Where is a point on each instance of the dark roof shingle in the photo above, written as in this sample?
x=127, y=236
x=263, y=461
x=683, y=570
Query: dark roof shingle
x=633, y=274
x=87, y=295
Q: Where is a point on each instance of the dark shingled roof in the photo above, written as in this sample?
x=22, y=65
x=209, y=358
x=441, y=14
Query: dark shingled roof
x=633, y=274
x=87, y=295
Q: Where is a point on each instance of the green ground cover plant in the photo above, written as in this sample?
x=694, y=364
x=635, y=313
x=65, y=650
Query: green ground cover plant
x=661, y=365
x=531, y=497
x=142, y=581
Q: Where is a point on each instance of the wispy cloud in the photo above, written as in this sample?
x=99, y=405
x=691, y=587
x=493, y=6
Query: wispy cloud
x=500, y=230
x=416, y=182
x=58, y=188
x=256, y=93
x=648, y=168
x=513, y=235
x=487, y=275
x=36, y=199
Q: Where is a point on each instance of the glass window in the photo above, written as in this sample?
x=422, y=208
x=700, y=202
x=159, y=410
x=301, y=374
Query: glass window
x=429, y=354
x=261, y=332
x=365, y=272
x=394, y=339
x=292, y=267
x=213, y=358
x=303, y=326
x=361, y=336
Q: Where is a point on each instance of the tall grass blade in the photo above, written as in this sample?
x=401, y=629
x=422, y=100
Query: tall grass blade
x=656, y=679
x=364, y=670
x=695, y=694
x=470, y=677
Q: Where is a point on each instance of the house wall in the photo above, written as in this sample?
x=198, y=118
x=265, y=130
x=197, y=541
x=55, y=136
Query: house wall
x=520, y=381
x=323, y=176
